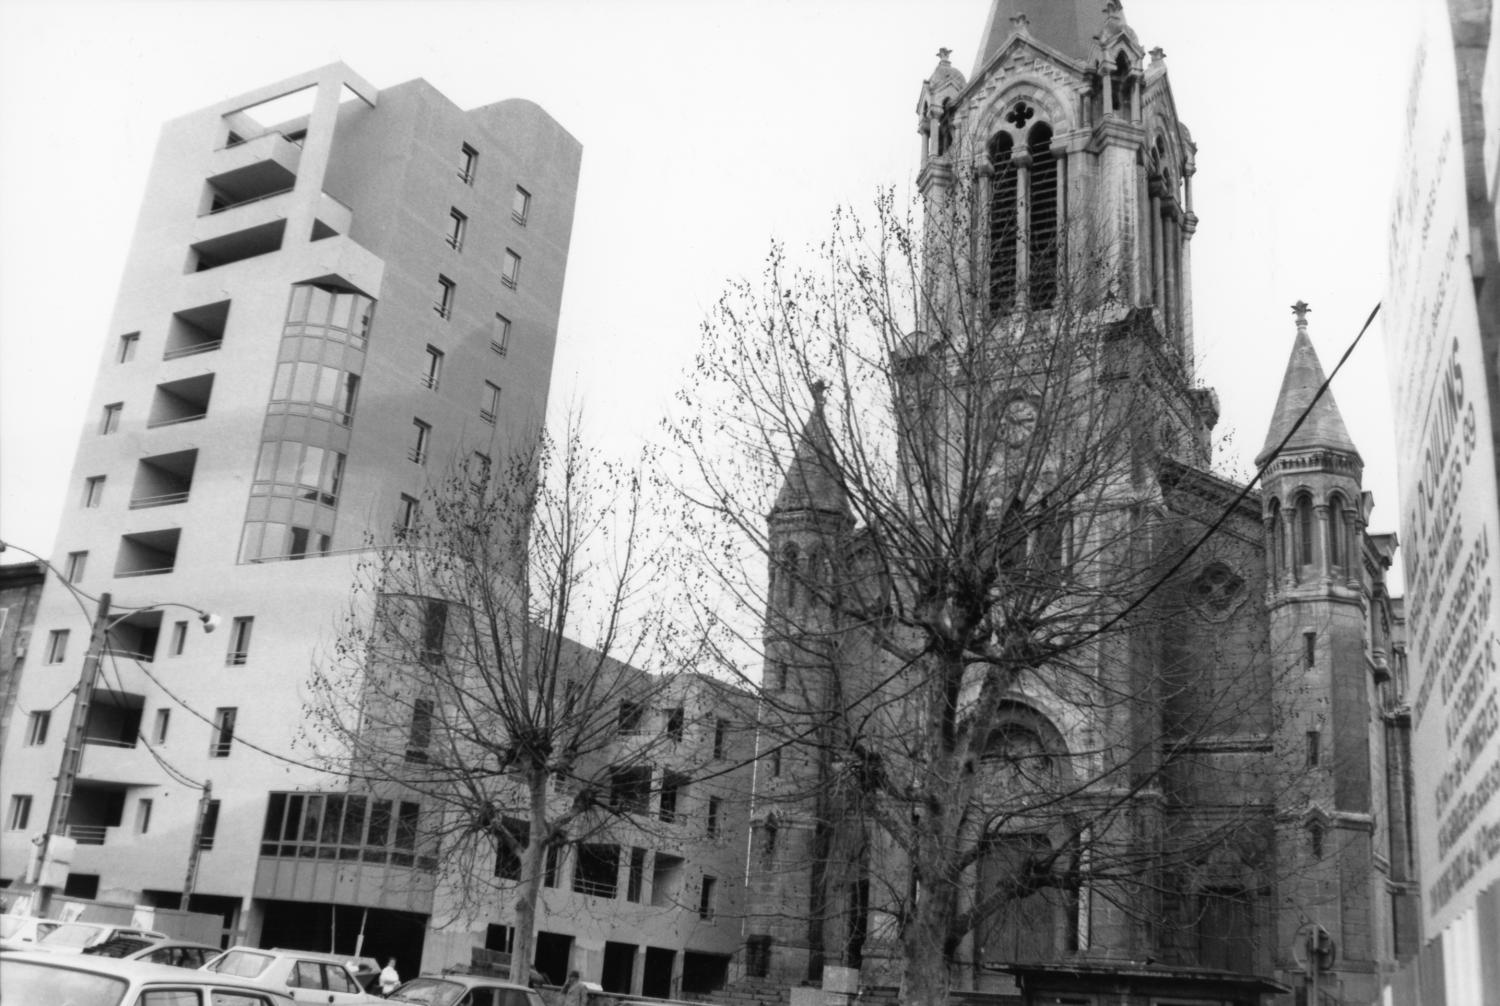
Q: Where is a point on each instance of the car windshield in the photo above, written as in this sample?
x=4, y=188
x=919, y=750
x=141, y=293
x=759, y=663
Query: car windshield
x=36, y=982
x=239, y=963
x=10, y=925
x=72, y=934
x=120, y=946
x=429, y=992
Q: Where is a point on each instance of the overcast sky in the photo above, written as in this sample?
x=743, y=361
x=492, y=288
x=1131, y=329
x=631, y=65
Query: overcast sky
x=708, y=128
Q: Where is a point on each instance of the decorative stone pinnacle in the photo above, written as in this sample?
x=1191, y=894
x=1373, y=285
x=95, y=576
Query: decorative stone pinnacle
x=943, y=54
x=1020, y=24
x=819, y=386
x=1158, y=54
x=1113, y=11
x=1300, y=309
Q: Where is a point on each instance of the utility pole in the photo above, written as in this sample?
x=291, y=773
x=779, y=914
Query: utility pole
x=196, y=849
x=72, y=755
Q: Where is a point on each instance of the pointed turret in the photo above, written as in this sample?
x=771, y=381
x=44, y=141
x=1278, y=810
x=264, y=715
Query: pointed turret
x=1324, y=426
x=812, y=482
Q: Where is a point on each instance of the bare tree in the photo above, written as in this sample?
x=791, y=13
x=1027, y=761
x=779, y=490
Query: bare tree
x=953, y=490
x=494, y=667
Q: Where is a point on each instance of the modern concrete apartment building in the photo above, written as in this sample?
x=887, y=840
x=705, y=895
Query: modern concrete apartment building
x=333, y=294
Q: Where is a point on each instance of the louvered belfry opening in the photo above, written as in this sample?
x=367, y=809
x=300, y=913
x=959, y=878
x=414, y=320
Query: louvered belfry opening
x=1004, y=195
x=1042, y=232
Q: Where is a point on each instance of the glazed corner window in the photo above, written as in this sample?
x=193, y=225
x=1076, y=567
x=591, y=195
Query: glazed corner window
x=432, y=372
x=520, y=206
x=489, y=405
x=110, y=421
x=457, y=224
x=444, y=303
x=179, y=639
x=468, y=162
x=223, y=741
x=163, y=723
x=93, y=491
x=500, y=337
x=421, y=432
x=20, y=812
x=406, y=513
x=37, y=724
x=143, y=816
x=129, y=343
x=510, y=271
x=239, y=641
x=77, y=562
x=57, y=646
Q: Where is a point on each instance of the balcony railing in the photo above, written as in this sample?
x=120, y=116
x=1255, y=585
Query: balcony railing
x=165, y=499
x=246, y=202
x=124, y=654
x=597, y=888
x=87, y=834
x=174, y=422
x=108, y=742
x=157, y=571
x=193, y=350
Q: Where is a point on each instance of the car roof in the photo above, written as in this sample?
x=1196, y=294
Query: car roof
x=317, y=955
x=138, y=971
x=471, y=981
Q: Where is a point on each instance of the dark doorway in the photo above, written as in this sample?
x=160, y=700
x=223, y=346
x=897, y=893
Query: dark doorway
x=552, y=953
x=619, y=967
x=656, y=980
x=305, y=925
x=703, y=973
x=82, y=885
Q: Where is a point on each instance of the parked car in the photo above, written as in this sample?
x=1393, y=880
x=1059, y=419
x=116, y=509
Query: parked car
x=74, y=937
x=465, y=990
x=366, y=969
x=306, y=976
x=20, y=932
x=176, y=953
x=42, y=979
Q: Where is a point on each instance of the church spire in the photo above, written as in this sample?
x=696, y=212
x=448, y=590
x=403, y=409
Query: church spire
x=812, y=481
x=1324, y=426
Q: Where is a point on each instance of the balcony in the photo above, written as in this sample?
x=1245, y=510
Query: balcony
x=96, y=807
x=148, y=553
x=163, y=480
x=333, y=218
x=134, y=639
x=196, y=330
x=242, y=243
x=180, y=401
x=253, y=168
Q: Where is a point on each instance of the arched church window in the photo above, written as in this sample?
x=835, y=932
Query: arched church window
x=1336, y=541
x=1004, y=201
x=789, y=574
x=1304, y=531
x=1274, y=560
x=945, y=127
x=1043, y=234
x=1121, y=84
x=1013, y=534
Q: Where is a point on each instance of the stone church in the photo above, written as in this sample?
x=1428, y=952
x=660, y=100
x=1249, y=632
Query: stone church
x=1197, y=786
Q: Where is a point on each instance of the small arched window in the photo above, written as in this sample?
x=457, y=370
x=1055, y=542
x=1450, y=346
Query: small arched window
x=1121, y=84
x=1274, y=560
x=788, y=574
x=1336, y=540
x=1304, y=531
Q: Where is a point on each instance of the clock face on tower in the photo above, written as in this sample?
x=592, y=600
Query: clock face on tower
x=1018, y=421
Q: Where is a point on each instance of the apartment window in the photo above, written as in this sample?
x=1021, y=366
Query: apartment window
x=20, y=812
x=420, y=432
x=675, y=718
x=1309, y=649
x=77, y=562
x=163, y=722
x=637, y=875
x=552, y=866
x=457, y=224
x=776, y=763
x=511, y=838
x=210, y=826
x=406, y=513
x=500, y=339
x=510, y=271
x=143, y=816
x=421, y=731
x=721, y=736
x=129, y=343
x=93, y=491
x=630, y=789
x=111, y=419
x=520, y=206
x=631, y=715
x=489, y=405
x=715, y=814
x=239, y=641
x=1315, y=839
x=57, y=646
x=672, y=787
x=36, y=727
x=432, y=372
x=1314, y=755
x=434, y=631
x=707, y=897
x=223, y=740
x=179, y=639
x=444, y=303
x=479, y=472
x=468, y=163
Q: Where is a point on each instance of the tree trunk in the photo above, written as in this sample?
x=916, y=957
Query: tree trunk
x=533, y=862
